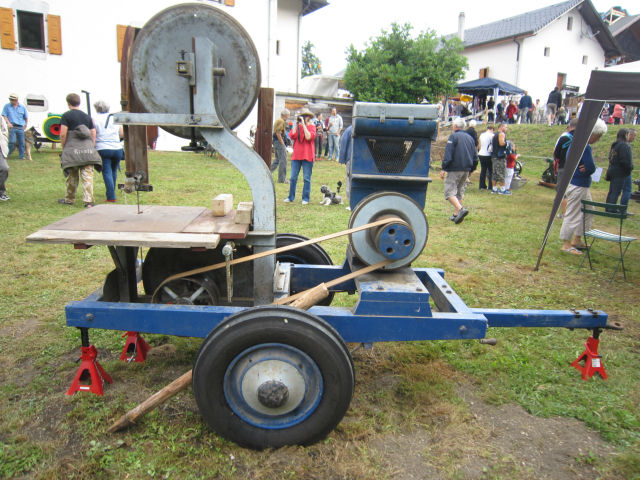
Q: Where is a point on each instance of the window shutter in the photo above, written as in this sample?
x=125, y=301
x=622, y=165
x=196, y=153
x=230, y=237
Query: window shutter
x=230, y=3
x=54, y=34
x=120, y=31
x=6, y=29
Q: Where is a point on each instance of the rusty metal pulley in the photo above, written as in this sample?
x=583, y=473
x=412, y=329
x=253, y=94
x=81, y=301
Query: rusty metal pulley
x=167, y=38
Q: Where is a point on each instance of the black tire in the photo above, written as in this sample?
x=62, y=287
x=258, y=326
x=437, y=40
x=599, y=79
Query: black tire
x=312, y=254
x=241, y=344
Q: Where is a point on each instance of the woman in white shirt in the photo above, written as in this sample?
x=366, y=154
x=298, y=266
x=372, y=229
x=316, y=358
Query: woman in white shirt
x=109, y=147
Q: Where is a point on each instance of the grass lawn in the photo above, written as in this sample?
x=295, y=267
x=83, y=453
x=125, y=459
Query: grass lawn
x=488, y=259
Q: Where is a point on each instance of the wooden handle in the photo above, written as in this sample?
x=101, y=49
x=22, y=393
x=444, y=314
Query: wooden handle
x=153, y=401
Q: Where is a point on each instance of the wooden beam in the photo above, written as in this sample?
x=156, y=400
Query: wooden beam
x=264, y=130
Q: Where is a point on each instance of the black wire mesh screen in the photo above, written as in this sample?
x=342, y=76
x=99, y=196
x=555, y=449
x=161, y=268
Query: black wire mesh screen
x=391, y=155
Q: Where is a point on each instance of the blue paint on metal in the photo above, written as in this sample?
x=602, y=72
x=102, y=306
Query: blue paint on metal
x=544, y=318
x=250, y=359
x=395, y=241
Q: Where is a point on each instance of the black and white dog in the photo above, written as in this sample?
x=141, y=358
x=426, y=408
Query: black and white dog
x=331, y=198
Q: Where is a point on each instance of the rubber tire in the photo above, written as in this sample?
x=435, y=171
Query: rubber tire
x=312, y=254
x=261, y=325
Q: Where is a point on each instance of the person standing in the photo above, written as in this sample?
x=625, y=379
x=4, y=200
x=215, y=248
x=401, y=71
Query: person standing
x=620, y=167
x=560, y=155
x=525, y=106
x=319, y=123
x=499, y=160
x=486, y=139
x=280, y=146
x=491, y=113
x=109, y=147
x=554, y=100
x=572, y=225
x=628, y=183
x=456, y=165
x=511, y=112
x=334, y=130
x=304, y=135
x=16, y=117
x=618, y=114
x=4, y=153
x=79, y=156
x=345, y=158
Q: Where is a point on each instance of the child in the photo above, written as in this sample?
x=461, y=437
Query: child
x=512, y=156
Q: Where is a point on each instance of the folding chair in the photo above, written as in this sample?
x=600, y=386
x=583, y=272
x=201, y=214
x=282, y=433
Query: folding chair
x=609, y=210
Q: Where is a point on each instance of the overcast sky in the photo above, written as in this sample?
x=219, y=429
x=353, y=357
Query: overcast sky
x=343, y=22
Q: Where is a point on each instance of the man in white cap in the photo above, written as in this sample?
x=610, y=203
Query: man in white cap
x=459, y=155
x=16, y=117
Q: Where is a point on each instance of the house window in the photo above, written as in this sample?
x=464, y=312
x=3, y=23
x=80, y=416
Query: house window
x=484, y=72
x=277, y=47
x=569, y=23
x=31, y=30
x=585, y=59
x=547, y=51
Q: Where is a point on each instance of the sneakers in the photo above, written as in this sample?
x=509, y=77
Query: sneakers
x=64, y=201
x=460, y=216
x=494, y=190
x=505, y=192
x=4, y=197
x=347, y=208
x=88, y=204
x=304, y=202
x=453, y=217
x=286, y=200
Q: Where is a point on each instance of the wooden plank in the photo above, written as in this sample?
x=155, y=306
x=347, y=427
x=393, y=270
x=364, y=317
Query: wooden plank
x=264, y=129
x=244, y=213
x=116, y=218
x=127, y=239
x=222, y=204
x=225, y=226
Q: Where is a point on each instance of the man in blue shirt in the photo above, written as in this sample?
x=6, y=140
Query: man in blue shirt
x=16, y=117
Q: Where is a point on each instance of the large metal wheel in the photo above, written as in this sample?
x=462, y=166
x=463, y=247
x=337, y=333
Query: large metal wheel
x=401, y=241
x=206, y=289
x=312, y=254
x=272, y=376
x=167, y=37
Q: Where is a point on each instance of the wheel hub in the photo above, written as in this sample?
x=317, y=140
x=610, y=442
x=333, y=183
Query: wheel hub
x=273, y=394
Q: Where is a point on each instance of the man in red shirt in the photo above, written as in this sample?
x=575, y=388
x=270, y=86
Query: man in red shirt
x=303, y=134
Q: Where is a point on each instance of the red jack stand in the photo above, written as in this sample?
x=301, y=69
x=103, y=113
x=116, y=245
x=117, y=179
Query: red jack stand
x=137, y=346
x=592, y=361
x=91, y=368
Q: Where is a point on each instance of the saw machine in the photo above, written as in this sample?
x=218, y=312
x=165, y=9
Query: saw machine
x=268, y=374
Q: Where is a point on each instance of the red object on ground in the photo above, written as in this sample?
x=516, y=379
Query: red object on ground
x=592, y=361
x=136, y=346
x=92, y=369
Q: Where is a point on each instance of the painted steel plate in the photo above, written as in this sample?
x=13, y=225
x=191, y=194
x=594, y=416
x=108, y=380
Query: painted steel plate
x=163, y=41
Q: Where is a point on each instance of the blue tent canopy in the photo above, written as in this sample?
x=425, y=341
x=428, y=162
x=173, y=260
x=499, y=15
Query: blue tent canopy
x=488, y=86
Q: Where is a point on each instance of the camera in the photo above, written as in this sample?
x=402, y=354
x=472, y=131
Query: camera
x=300, y=120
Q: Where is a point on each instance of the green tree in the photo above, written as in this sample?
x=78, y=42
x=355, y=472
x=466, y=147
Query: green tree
x=310, y=62
x=396, y=68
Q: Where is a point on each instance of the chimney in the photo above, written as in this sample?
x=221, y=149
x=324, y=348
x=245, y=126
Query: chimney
x=461, y=26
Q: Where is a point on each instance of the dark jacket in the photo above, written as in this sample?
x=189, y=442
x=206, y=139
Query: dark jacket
x=525, y=102
x=580, y=178
x=555, y=97
x=620, y=160
x=79, y=151
x=459, y=153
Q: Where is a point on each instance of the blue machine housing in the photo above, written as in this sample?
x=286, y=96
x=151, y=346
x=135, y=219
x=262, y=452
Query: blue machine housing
x=391, y=149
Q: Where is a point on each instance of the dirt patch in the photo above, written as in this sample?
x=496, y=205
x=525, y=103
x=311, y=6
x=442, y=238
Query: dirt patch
x=494, y=441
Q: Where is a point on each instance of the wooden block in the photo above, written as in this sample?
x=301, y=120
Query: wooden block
x=244, y=213
x=222, y=204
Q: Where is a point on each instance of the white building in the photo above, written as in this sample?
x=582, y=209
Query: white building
x=553, y=46
x=52, y=47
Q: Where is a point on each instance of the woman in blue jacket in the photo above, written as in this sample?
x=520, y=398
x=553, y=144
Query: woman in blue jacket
x=578, y=190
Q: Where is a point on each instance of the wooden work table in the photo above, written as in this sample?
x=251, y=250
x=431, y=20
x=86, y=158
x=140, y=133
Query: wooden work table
x=154, y=226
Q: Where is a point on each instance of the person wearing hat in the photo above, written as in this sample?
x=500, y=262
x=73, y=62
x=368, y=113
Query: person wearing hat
x=16, y=117
x=303, y=134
